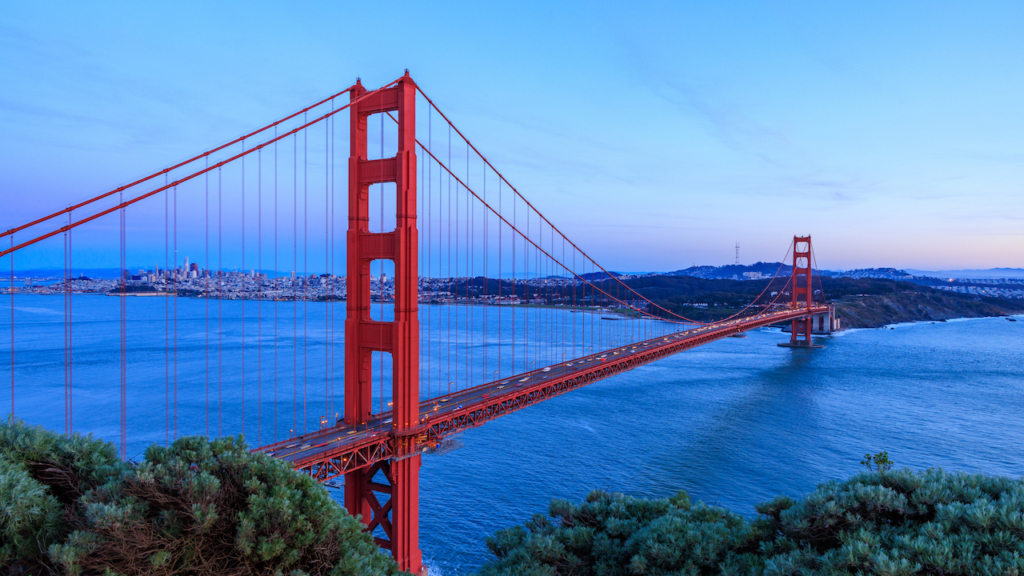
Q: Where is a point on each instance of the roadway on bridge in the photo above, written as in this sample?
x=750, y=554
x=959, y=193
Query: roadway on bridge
x=338, y=437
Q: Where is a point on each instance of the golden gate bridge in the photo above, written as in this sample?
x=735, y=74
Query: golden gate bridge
x=423, y=203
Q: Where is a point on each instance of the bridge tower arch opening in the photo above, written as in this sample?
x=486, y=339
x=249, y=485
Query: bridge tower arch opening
x=385, y=495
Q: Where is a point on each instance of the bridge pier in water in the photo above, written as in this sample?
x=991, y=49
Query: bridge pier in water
x=398, y=516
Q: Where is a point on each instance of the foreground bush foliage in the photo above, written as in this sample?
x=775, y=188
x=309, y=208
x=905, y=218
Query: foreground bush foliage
x=68, y=505
x=890, y=523
x=42, y=477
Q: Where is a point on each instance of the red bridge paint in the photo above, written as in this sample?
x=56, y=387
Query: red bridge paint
x=399, y=515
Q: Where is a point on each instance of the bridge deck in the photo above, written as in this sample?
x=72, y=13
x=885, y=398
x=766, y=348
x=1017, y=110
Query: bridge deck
x=333, y=451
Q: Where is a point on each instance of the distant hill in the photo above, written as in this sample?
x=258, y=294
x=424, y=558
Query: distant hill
x=600, y=275
x=734, y=271
x=762, y=270
x=990, y=273
x=862, y=302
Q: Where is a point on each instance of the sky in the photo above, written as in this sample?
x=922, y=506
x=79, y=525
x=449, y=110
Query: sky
x=656, y=138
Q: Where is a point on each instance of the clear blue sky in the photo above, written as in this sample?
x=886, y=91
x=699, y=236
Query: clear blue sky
x=658, y=137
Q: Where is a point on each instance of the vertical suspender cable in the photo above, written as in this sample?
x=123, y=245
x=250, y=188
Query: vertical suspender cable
x=332, y=279
x=470, y=228
x=448, y=324
x=259, y=297
x=277, y=285
x=71, y=335
x=67, y=351
x=220, y=307
x=175, y=325
x=295, y=292
x=206, y=297
x=428, y=231
x=167, y=318
x=483, y=310
x=305, y=274
x=469, y=272
x=327, y=270
x=455, y=294
x=515, y=285
x=500, y=306
x=122, y=326
x=243, y=290
x=12, y=325
x=440, y=264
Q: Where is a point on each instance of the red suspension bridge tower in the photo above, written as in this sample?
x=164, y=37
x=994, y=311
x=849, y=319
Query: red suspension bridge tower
x=398, y=514
x=803, y=292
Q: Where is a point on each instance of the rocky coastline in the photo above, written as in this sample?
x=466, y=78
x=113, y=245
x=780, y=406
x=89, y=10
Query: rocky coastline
x=878, y=310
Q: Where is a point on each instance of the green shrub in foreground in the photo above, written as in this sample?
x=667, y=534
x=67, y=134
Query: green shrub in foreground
x=196, y=507
x=42, y=477
x=890, y=523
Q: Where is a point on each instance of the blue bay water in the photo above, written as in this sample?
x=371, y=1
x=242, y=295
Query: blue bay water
x=735, y=422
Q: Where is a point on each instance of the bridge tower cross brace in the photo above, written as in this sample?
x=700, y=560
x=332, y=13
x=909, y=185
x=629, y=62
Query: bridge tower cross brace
x=398, y=478
x=803, y=291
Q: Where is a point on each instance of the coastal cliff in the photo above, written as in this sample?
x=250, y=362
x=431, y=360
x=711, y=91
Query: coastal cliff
x=877, y=310
x=860, y=302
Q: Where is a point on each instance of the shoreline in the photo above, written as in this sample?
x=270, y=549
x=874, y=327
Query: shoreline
x=914, y=323
x=619, y=315
x=573, y=309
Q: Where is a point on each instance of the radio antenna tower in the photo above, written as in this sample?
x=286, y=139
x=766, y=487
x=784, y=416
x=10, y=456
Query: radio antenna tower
x=737, y=253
